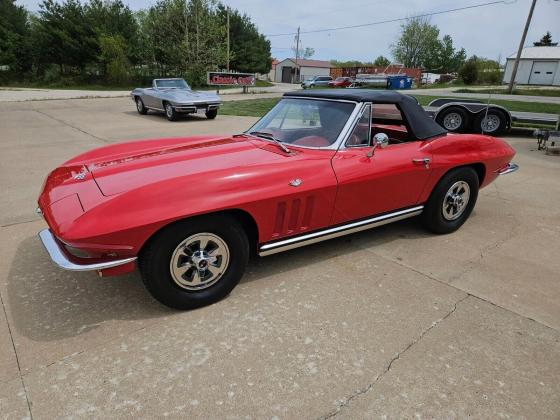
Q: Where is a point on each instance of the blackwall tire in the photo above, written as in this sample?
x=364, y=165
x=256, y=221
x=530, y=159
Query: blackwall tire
x=195, y=262
x=451, y=201
x=213, y=113
x=170, y=112
x=454, y=119
x=140, y=107
x=494, y=123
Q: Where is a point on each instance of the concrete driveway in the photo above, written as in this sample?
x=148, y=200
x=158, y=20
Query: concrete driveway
x=391, y=323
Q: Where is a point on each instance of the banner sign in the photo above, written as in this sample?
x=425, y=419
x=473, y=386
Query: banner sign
x=218, y=78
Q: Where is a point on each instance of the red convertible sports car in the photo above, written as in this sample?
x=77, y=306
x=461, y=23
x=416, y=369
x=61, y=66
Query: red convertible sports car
x=321, y=164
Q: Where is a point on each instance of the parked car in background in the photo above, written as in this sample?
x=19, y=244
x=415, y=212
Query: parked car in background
x=341, y=82
x=174, y=97
x=314, y=81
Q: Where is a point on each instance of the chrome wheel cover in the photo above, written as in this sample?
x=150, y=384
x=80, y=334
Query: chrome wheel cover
x=169, y=110
x=456, y=200
x=199, y=261
x=452, y=121
x=490, y=123
x=139, y=104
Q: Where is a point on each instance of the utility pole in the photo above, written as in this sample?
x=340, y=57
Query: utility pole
x=297, y=55
x=227, y=25
x=520, y=49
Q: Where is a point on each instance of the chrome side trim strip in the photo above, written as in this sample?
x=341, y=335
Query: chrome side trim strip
x=335, y=232
x=60, y=259
x=511, y=167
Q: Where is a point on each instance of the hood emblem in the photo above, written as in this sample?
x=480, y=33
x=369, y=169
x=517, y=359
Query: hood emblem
x=296, y=182
x=80, y=176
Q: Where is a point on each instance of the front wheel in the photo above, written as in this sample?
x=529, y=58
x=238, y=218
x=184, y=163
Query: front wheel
x=211, y=114
x=195, y=262
x=451, y=201
x=140, y=107
x=170, y=112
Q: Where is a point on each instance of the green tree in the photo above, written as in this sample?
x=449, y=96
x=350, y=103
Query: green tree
x=64, y=36
x=113, y=18
x=113, y=56
x=14, y=37
x=382, y=61
x=416, y=43
x=468, y=72
x=448, y=59
x=249, y=49
x=545, y=41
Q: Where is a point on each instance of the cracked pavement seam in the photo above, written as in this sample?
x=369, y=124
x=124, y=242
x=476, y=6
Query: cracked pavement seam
x=71, y=126
x=17, y=358
x=347, y=400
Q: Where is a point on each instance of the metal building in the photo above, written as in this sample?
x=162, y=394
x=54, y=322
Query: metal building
x=537, y=66
x=286, y=70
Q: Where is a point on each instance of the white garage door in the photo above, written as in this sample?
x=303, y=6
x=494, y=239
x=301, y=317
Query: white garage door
x=543, y=72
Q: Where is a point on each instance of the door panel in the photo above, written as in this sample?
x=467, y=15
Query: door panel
x=542, y=73
x=387, y=181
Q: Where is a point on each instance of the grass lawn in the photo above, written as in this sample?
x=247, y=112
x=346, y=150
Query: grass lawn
x=520, y=91
x=259, y=107
x=249, y=107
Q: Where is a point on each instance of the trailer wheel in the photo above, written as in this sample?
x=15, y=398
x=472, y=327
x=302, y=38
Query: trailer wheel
x=493, y=123
x=453, y=119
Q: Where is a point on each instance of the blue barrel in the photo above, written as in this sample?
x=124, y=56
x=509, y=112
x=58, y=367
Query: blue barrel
x=399, y=82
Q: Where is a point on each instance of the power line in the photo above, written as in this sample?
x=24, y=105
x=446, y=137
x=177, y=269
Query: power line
x=380, y=22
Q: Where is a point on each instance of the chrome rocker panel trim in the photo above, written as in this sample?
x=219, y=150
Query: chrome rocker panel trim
x=335, y=232
x=511, y=167
x=60, y=259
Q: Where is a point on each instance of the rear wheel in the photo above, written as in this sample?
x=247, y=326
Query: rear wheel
x=195, y=262
x=140, y=106
x=211, y=114
x=451, y=201
x=493, y=123
x=453, y=119
x=170, y=112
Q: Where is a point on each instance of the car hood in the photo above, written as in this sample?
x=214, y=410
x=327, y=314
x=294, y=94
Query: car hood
x=127, y=166
x=186, y=95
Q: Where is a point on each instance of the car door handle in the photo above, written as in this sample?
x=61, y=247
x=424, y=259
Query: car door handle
x=422, y=161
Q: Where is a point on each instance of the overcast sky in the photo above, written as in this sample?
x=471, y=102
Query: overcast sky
x=492, y=31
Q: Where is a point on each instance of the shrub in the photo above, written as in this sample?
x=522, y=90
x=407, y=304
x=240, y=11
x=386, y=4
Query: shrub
x=468, y=72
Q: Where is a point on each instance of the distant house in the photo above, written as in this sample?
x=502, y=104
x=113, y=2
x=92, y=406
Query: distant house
x=286, y=70
x=537, y=66
x=272, y=72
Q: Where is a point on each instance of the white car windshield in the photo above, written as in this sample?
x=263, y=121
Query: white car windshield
x=305, y=122
x=172, y=84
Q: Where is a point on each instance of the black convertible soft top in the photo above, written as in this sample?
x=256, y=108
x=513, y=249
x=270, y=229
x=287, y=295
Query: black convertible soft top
x=420, y=125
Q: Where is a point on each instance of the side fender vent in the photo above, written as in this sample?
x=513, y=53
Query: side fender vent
x=293, y=216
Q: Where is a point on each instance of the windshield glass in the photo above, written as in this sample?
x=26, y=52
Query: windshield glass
x=305, y=122
x=172, y=84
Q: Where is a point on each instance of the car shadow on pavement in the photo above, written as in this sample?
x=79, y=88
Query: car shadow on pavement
x=260, y=268
x=161, y=116
x=48, y=304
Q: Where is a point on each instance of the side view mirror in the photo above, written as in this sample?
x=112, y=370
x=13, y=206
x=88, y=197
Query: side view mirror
x=379, y=140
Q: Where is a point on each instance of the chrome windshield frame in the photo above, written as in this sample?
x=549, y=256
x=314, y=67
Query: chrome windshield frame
x=345, y=132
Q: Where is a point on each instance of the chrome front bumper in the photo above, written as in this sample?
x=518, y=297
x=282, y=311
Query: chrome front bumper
x=508, y=169
x=59, y=257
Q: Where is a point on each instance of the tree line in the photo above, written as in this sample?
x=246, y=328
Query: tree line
x=104, y=41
